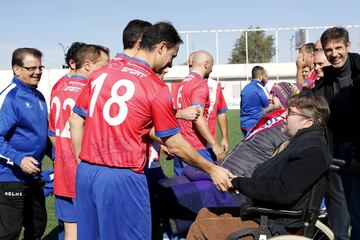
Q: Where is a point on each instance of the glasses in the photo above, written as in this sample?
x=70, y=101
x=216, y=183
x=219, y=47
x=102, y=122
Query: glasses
x=292, y=113
x=33, y=69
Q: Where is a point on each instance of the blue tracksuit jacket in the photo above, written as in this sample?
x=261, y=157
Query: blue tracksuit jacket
x=23, y=129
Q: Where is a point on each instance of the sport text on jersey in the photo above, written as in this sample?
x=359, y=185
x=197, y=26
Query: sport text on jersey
x=133, y=72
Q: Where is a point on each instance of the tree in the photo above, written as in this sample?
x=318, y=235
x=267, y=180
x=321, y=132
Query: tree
x=260, y=48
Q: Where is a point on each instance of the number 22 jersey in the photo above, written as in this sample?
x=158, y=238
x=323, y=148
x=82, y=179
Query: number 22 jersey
x=63, y=98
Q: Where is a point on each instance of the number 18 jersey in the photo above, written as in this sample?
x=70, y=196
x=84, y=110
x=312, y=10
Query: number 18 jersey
x=122, y=102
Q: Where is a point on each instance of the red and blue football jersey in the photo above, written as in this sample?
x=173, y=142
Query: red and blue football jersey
x=174, y=87
x=121, y=103
x=310, y=80
x=192, y=91
x=63, y=98
x=217, y=104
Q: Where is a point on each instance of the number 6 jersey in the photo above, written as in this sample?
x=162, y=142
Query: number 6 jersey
x=121, y=103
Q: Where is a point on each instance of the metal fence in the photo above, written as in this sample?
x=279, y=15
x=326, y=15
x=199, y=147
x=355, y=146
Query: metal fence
x=221, y=42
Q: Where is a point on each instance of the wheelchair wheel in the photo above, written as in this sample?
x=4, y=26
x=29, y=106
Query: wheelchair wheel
x=289, y=237
x=322, y=232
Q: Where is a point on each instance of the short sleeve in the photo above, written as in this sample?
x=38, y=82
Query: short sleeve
x=163, y=115
x=52, y=118
x=82, y=104
x=222, y=106
x=200, y=94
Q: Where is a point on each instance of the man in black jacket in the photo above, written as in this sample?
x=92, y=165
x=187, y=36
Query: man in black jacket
x=284, y=181
x=340, y=87
x=338, y=214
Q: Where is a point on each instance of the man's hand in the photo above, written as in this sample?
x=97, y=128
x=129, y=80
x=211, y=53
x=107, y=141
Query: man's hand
x=190, y=113
x=221, y=177
x=29, y=165
x=164, y=149
x=225, y=145
x=218, y=151
x=300, y=61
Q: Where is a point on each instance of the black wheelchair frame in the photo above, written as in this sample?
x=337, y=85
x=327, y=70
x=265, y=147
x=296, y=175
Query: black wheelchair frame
x=310, y=214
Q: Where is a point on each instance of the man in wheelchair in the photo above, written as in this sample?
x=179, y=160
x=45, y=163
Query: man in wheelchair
x=182, y=197
x=283, y=182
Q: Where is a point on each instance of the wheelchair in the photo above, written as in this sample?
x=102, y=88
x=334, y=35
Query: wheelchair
x=313, y=228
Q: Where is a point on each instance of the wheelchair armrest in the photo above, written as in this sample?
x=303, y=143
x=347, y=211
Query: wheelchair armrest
x=336, y=164
x=267, y=211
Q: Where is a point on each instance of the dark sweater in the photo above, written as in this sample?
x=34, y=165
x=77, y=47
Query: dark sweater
x=287, y=176
x=284, y=181
x=341, y=89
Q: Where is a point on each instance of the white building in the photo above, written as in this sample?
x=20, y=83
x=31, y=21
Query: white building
x=233, y=78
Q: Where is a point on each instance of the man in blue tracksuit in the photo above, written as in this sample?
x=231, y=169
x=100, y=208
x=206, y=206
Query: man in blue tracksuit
x=23, y=139
x=254, y=100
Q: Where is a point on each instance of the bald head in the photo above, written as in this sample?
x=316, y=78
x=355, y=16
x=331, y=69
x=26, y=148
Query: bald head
x=202, y=63
x=320, y=61
x=190, y=59
x=200, y=57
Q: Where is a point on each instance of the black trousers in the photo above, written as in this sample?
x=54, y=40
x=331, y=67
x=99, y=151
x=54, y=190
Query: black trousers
x=22, y=205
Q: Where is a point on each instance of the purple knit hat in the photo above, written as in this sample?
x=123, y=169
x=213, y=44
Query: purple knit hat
x=283, y=90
